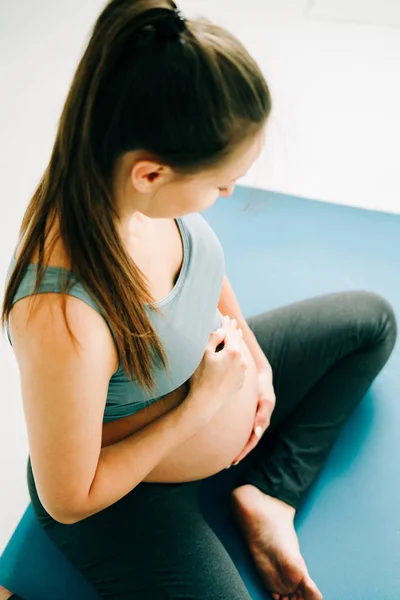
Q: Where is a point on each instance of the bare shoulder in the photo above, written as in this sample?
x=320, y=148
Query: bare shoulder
x=37, y=325
x=54, y=249
x=39, y=320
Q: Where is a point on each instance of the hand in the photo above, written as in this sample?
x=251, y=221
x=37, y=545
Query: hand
x=265, y=408
x=221, y=372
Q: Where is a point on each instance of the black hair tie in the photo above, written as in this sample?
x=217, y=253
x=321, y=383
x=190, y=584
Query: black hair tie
x=163, y=25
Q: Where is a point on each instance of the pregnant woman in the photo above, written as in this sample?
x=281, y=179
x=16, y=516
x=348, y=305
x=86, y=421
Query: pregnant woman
x=140, y=376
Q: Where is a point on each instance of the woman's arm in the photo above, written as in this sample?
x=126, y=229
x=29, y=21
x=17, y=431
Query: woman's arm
x=228, y=305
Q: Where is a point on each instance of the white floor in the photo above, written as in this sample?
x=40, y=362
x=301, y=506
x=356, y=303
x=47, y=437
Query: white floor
x=333, y=134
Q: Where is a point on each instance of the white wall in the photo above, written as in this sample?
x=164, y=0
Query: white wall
x=333, y=134
x=335, y=127
x=373, y=12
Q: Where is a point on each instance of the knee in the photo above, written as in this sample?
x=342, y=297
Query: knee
x=381, y=318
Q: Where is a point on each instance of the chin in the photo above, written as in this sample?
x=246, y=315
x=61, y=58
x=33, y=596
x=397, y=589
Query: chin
x=190, y=208
x=207, y=204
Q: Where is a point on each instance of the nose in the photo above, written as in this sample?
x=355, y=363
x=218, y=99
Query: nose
x=228, y=192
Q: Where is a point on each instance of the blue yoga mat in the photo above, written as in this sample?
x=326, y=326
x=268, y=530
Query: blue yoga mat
x=280, y=249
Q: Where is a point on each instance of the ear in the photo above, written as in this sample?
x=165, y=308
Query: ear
x=146, y=175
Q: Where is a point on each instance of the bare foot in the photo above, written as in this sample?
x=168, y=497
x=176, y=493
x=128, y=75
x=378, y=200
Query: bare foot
x=4, y=594
x=268, y=528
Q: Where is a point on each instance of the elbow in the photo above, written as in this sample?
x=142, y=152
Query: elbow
x=66, y=515
x=66, y=519
x=63, y=520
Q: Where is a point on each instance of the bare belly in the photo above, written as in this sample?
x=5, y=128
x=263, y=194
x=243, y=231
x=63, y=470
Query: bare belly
x=211, y=448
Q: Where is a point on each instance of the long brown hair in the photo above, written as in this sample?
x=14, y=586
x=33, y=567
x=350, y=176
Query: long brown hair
x=187, y=103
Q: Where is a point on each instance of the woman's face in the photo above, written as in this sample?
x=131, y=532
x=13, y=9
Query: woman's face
x=202, y=191
x=158, y=193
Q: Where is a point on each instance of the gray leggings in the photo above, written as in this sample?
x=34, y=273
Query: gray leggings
x=155, y=542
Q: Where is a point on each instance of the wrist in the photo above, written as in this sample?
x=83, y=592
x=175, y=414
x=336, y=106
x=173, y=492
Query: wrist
x=192, y=408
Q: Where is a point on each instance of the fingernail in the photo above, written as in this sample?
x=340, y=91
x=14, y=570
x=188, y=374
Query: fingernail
x=228, y=467
x=236, y=463
x=258, y=431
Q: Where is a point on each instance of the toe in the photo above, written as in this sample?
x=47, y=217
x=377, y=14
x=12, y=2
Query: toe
x=310, y=590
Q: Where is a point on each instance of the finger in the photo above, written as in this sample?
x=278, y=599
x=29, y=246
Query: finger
x=262, y=418
x=264, y=411
x=239, y=336
x=232, y=340
x=231, y=323
x=261, y=422
x=258, y=430
x=226, y=321
x=216, y=338
x=252, y=443
x=267, y=398
x=236, y=338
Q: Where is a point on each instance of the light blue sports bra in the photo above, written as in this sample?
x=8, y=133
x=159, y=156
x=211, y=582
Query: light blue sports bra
x=189, y=314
